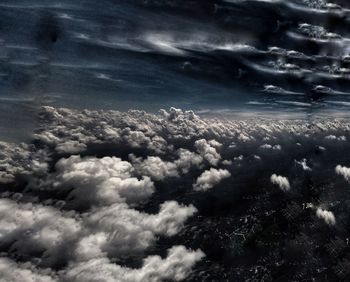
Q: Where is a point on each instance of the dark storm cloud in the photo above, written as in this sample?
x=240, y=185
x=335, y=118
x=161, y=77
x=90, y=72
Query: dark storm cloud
x=47, y=30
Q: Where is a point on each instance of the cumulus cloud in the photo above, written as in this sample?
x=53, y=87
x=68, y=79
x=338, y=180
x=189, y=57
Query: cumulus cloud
x=187, y=160
x=333, y=137
x=68, y=131
x=327, y=216
x=101, y=181
x=209, y=178
x=158, y=169
x=30, y=228
x=215, y=144
x=115, y=230
x=21, y=160
x=119, y=230
x=72, y=131
x=154, y=167
x=110, y=227
x=343, y=171
x=71, y=147
x=11, y=271
x=175, y=267
x=281, y=181
x=207, y=149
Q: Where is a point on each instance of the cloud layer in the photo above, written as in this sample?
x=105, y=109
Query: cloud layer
x=134, y=196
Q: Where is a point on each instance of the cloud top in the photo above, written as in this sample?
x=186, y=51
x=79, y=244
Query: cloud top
x=281, y=181
x=209, y=178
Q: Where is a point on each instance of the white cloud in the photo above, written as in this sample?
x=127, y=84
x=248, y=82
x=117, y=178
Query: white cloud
x=115, y=230
x=343, y=171
x=209, y=178
x=72, y=147
x=32, y=227
x=244, y=137
x=158, y=169
x=155, y=167
x=11, y=271
x=270, y=147
x=303, y=164
x=187, y=160
x=281, y=181
x=71, y=130
x=102, y=181
x=226, y=162
x=171, y=218
x=327, y=216
x=175, y=267
x=21, y=160
x=135, y=138
x=208, y=151
x=333, y=137
x=215, y=144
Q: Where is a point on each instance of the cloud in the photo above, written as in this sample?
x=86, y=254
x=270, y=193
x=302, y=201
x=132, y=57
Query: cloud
x=281, y=181
x=208, y=151
x=303, y=164
x=71, y=147
x=327, y=216
x=158, y=169
x=110, y=226
x=72, y=131
x=154, y=167
x=31, y=229
x=119, y=230
x=175, y=267
x=115, y=230
x=187, y=160
x=343, y=171
x=101, y=181
x=333, y=137
x=11, y=271
x=215, y=144
x=209, y=178
x=270, y=147
x=21, y=160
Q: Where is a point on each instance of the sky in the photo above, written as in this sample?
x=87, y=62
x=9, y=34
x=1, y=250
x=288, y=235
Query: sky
x=246, y=57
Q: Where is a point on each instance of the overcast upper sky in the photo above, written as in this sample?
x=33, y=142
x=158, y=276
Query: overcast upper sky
x=194, y=54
